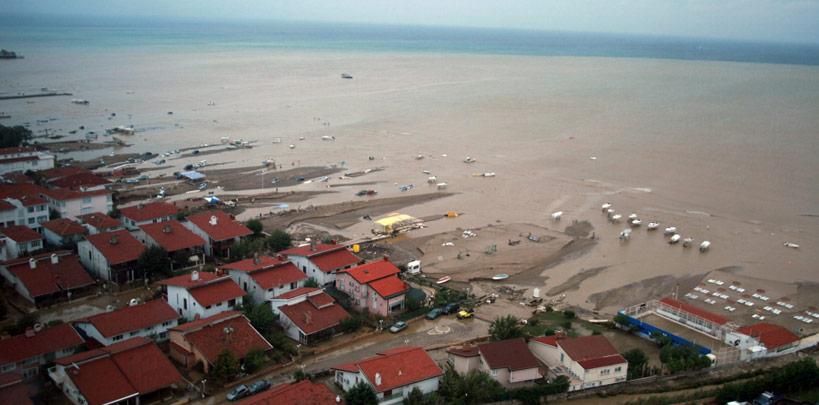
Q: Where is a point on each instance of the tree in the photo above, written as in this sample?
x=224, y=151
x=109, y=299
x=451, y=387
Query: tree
x=114, y=213
x=24, y=322
x=254, y=360
x=255, y=225
x=300, y=375
x=637, y=363
x=311, y=282
x=246, y=248
x=262, y=318
x=505, y=327
x=13, y=136
x=678, y=358
x=568, y=314
x=476, y=387
x=415, y=397
x=279, y=240
x=360, y=394
x=225, y=367
x=155, y=262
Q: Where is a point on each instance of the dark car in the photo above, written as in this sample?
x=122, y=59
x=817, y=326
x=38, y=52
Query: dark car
x=451, y=308
x=258, y=386
x=434, y=313
x=240, y=391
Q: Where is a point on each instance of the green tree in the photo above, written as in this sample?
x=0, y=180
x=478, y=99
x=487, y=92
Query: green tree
x=24, y=322
x=155, y=262
x=350, y=324
x=311, y=282
x=246, y=249
x=476, y=387
x=262, y=318
x=279, y=240
x=505, y=327
x=415, y=397
x=300, y=375
x=13, y=136
x=114, y=213
x=637, y=363
x=678, y=358
x=360, y=394
x=255, y=225
x=568, y=314
x=225, y=367
x=254, y=360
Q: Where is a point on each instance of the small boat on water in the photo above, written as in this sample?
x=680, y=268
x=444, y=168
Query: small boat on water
x=346, y=76
x=674, y=239
x=652, y=226
x=501, y=276
x=443, y=280
x=80, y=101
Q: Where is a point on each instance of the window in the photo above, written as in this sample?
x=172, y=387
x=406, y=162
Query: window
x=117, y=338
x=31, y=220
x=30, y=209
x=494, y=372
x=232, y=302
x=618, y=369
x=86, y=200
x=605, y=371
x=208, y=307
x=41, y=208
x=292, y=285
x=185, y=303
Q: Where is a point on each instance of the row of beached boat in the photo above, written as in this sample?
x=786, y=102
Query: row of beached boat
x=634, y=221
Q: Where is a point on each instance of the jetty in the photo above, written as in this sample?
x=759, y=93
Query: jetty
x=52, y=94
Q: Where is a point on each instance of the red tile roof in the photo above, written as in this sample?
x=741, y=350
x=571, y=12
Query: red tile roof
x=591, y=351
x=308, y=251
x=20, y=233
x=60, y=172
x=225, y=226
x=12, y=390
x=48, y=278
x=321, y=300
x=17, y=177
x=27, y=194
x=512, y=354
x=147, y=212
x=389, y=287
x=133, y=367
x=49, y=340
x=80, y=180
x=99, y=220
x=209, y=289
x=397, y=367
x=132, y=318
x=327, y=257
x=64, y=227
x=295, y=293
x=304, y=392
x=208, y=336
x=547, y=340
x=6, y=206
x=464, y=351
x=199, y=323
x=694, y=310
x=770, y=335
x=172, y=236
x=311, y=318
x=252, y=264
x=64, y=194
x=284, y=273
x=17, y=149
x=117, y=246
x=372, y=271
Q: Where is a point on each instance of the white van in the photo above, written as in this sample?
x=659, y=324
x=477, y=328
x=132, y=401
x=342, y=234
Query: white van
x=414, y=267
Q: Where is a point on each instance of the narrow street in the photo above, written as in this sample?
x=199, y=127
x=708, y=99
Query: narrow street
x=445, y=330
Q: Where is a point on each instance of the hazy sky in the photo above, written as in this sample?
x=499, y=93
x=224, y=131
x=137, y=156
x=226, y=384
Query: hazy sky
x=773, y=20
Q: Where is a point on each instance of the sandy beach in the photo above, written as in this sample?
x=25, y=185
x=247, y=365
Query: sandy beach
x=726, y=152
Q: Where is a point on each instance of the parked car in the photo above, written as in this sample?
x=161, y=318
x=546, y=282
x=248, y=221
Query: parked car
x=258, y=386
x=238, y=392
x=434, y=313
x=466, y=313
x=398, y=326
x=451, y=308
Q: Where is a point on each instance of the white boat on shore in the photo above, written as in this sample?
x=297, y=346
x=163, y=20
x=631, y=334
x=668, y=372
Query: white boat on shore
x=501, y=276
x=791, y=245
x=671, y=230
x=616, y=218
x=605, y=207
x=674, y=239
x=557, y=215
x=687, y=242
x=636, y=222
x=443, y=280
x=705, y=245
x=652, y=226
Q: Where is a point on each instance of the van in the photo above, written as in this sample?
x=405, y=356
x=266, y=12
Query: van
x=414, y=267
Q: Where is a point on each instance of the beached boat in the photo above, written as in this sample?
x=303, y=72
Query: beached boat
x=432, y=180
x=501, y=276
x=625, y=234
x=652, y=226
x=636, y=222
x=632, y=216
x=488, y=174
x=605, y=206
x=80, y=101
x=616, y=217
x=687, y=242
x=443, y=280
x=670, y=230
x=441, y=186
x=224, y=139
x=705, y=245
x=469, y=160
x=791, y=245
x=557, y=215
x=674, y=239
x=346, y=76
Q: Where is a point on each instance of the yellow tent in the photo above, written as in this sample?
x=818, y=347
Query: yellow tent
x=390, y=221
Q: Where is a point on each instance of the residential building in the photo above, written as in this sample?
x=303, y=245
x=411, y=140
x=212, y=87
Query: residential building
x=292, y=297
x=47, y=278
x=201, y=341
x=310, y=316
x=143, y=214
x=13, y=390
x=73, y=203
x=63, y=232
x=588, y=361
x=304, y=392
x=762, y=340
x=321, y=262
x=152, y=320
x=24, y=158
x=200, y=295
x=28, y=352
x=374, y=287
x=219, y=230
x=97, y=222
x=181, y=244
x=20, y=240
x=81, y=181
x=265, y=277
x=18, y=208
x=130, y=372
x=508, y=362
x=57, y=173
x=112, y=256
x=392, y=373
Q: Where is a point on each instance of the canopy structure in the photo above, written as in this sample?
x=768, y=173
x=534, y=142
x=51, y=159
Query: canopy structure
x=212, y=199
x=192, y=175
x=395, y=221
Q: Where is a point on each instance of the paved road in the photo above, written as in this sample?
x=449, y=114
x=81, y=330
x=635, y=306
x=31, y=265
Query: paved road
x=424, y=333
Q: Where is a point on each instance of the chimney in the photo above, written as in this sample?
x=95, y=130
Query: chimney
x=54, y=258
x=194, y=275
x=256, y=259
x=377, y=379
x=166, y=228
x=32, y=263
x=114, y=239
x=213, y=220
x=312, y=245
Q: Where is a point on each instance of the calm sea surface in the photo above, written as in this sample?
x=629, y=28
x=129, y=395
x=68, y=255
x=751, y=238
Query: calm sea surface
x=41, y=34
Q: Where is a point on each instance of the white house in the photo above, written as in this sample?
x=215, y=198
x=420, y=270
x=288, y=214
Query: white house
x=97, y=222
x=20, y=240
x=762, y=340
x=143, y=214
x=201, y=294
x=30, y=211
x=27, y=352
x=23, y=158
x=392, y=373
x=265, y=277
x=112, y=256
x=588, y=361
x=73, y=203
x=508, y=362
x=219, y=230
x=321, y=262
x=46, y=278
x=308, y=314
x=63, y=232
x=152, y=320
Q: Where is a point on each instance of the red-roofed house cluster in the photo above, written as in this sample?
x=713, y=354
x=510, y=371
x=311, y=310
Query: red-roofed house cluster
x=374, y=287
x=508, y=362
x=201, y=294
x=321, y=262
